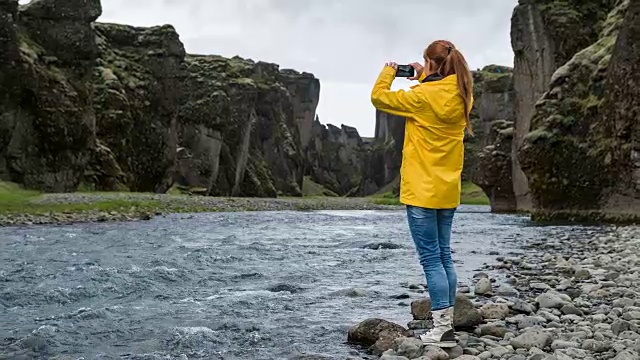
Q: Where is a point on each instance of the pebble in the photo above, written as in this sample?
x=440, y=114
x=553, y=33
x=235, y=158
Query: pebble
x=567, y=302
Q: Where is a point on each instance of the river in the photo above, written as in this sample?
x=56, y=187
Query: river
x=255, y=285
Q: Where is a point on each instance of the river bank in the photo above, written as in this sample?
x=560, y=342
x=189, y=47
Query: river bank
x=23, y=207
x=568, y=297
x=107, y=207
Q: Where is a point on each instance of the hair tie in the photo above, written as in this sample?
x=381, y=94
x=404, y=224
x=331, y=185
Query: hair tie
x=449, y=48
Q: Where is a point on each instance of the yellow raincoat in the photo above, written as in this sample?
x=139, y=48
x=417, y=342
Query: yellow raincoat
x=433, y=150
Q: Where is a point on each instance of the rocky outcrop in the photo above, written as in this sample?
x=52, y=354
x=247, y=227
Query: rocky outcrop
x=137, y=84
x=545, y=34
x=116, y=107
x=47, y=123
x=495, y=165
x=579, y=154
x=239, y=125
x=335, y=158
x=621, y=119
x=496, y=112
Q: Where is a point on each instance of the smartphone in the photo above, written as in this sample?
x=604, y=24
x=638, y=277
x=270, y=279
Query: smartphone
x=405, y=71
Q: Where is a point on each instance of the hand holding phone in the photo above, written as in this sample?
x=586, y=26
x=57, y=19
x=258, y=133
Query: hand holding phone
x=406, y=71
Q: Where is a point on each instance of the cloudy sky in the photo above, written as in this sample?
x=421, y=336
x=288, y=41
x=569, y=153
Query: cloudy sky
x=343, y=42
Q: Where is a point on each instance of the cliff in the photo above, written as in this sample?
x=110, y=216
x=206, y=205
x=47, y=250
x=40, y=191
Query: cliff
x=545, y=34
x=495, y=103
x=47, y=124
x=581, y=153
x=115, y=107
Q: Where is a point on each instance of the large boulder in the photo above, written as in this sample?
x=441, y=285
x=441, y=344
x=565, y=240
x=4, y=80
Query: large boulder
x=377, y=334
x=335, y=157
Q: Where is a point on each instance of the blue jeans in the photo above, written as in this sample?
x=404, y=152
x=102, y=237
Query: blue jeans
x=431, y=232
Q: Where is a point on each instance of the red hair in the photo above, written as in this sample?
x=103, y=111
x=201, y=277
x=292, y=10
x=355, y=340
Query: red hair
x=449, y=61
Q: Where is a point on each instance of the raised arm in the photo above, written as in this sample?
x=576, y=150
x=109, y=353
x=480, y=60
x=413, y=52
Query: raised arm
x=401, y=102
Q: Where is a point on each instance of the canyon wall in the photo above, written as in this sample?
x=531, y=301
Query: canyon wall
x=116, y=107
x=577, y=145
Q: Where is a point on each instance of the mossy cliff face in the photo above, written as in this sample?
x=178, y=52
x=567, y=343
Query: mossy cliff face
x=47, y=55
x=581, y=143
x=336, y=157
x=115, y=107
x=137, y=89
x=241, y=126
x=545, y=34
x=494, y=124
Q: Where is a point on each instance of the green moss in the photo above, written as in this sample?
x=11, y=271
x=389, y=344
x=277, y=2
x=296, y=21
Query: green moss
x=16, y=200
x=312, y=189
x=471, y=195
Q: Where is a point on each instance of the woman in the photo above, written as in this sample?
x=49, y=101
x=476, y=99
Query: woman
x=437, y=112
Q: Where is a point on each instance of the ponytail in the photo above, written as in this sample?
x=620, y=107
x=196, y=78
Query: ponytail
x=451, y=61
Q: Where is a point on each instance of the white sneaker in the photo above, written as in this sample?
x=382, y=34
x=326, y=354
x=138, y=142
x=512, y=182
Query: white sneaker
x=442, y=334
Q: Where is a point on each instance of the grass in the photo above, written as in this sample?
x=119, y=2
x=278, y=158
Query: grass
x=471, y=195
x=16, y=200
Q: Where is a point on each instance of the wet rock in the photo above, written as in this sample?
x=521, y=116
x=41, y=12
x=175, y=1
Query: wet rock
x=383, y=246
x=465, y=313
x=376, y=333
x=293, y=289
x=352, y=293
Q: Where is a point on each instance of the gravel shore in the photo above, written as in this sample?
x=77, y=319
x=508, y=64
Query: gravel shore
x=565, y=299
x=163, y=203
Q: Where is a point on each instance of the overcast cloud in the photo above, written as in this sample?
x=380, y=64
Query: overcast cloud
x=343, y=42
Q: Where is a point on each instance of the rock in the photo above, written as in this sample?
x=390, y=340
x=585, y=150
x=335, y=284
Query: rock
x=378, y=332
x=499, y=351
x=571, y=310
x=392, y=357
x=539, y=286
x=506, y=290
x=523, y=307
x=530, y=321
x=550, y=300
x=434, y=353
x=382, y=246
x=627, y=355
x=408, y=347
x=483, y=287
x=465, y=313
x=468, y=357
x=493, y=330
x=582, y=274
x=532, y=338
x=561, y=344
x=620, y=326
x=494, y=311
x=455, y=352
